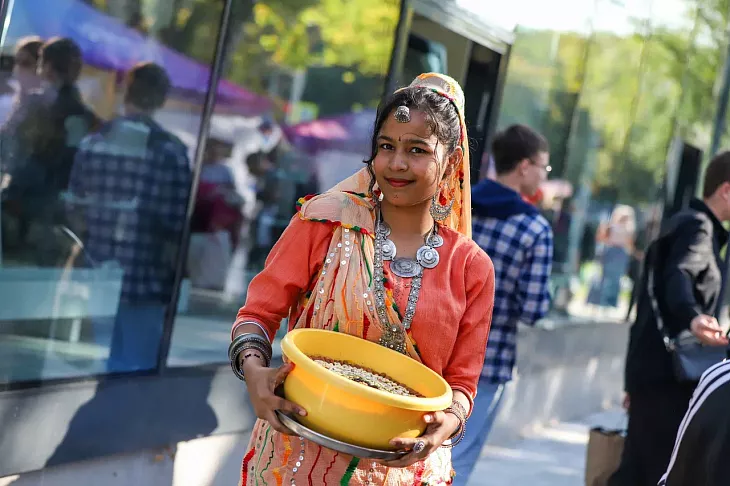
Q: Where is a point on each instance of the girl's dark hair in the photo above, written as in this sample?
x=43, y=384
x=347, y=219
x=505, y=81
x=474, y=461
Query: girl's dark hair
x=441, y=116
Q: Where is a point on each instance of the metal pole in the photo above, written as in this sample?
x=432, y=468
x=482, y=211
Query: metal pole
x=5, y=8
x=208, y=107
x=400, y=45
x=718, y=129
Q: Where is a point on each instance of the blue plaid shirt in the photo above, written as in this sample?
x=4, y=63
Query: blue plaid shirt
x=521, y=248
x=132, y=182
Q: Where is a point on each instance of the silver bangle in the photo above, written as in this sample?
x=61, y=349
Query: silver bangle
x=253, y=323
x=245, y=342
x=256, y=349
x=249, y=339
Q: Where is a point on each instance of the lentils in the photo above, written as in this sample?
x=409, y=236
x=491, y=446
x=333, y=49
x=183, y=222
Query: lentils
x=365, y=376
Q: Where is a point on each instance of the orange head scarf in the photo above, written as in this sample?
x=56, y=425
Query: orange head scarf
x=342, y=297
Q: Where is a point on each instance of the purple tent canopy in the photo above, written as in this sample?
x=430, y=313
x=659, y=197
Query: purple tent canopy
x=350, y=132
x=109, y=44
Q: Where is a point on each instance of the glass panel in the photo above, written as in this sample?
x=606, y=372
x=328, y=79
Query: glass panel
x=314, y=71
x=545, y=76
x=95, y=178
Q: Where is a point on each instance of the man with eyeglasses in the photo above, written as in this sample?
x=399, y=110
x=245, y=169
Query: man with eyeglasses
x=519, y=241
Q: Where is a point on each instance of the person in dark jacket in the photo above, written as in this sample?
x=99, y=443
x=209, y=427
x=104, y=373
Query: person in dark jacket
x=688, y=283
x=703, y=440
x=519, y=241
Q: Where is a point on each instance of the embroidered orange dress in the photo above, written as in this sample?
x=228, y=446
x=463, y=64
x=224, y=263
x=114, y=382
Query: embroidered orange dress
x=449, y=332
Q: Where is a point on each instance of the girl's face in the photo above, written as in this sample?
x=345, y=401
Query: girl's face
x=25, y=70
x=410, y=162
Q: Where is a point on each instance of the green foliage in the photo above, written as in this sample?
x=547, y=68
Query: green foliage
x=284, y=35
x=635, y=88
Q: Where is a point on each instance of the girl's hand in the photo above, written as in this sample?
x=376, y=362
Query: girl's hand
x=440, y=426
x=262, y=383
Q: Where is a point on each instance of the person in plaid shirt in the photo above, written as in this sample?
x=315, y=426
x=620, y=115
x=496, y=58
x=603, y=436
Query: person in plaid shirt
x=131, y=183
x=520, y=243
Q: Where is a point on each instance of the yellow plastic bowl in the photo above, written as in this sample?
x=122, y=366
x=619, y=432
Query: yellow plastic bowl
x=352, y=412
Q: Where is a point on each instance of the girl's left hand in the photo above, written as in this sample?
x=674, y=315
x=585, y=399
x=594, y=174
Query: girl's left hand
x=440, y=426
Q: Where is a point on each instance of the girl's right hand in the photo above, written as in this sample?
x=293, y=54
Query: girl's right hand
x=262, y=383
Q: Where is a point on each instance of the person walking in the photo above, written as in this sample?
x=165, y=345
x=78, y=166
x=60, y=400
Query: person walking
x=686, y=263
x=519, y=241
x=618, y=238
x=130, y=184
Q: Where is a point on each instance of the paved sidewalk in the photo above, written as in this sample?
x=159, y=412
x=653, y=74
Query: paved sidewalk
x=553, y=456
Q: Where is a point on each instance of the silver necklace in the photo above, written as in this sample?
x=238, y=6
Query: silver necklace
x=426, y=257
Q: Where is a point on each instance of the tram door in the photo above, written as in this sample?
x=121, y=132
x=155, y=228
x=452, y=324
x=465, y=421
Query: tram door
x=431, y=47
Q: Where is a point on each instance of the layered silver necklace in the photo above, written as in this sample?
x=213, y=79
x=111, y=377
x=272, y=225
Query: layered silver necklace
x=385, y=250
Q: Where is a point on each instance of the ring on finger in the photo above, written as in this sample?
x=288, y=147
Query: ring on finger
x=419, y=447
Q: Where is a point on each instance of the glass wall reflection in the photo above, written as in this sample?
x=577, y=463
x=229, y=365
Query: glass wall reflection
x=316, y=70
x=95, y=179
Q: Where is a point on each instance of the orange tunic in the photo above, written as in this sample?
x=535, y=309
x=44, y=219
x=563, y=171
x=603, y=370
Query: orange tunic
x=450, y=329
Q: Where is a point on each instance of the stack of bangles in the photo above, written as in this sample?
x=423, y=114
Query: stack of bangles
x=457, y=409
x=248, y=345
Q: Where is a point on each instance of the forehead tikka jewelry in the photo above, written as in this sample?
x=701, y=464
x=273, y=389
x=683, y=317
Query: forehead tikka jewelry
x=402, y=114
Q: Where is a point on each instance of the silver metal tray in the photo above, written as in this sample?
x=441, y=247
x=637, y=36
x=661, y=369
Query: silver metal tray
x=334, y=444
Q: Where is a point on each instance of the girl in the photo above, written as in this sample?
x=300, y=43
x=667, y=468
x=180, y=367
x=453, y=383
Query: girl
x=386, y=255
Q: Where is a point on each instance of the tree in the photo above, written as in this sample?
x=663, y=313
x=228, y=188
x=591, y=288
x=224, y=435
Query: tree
x=296, y=35
x=638, y=91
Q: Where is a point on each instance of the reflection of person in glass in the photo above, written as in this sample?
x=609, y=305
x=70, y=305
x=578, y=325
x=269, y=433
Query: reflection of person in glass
x=263, y=230
x=131, y=180
x=412, y=196
x=617, y=238
x=16, y=147
x=44, y=132
x=57, y=111
x=218, y=217
x=25, y=67
x=25, y=74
